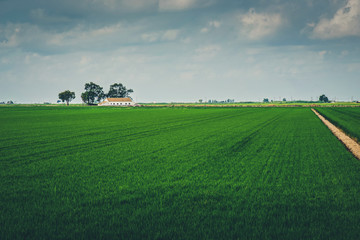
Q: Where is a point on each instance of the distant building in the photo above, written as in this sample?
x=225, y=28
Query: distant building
x=117, y=102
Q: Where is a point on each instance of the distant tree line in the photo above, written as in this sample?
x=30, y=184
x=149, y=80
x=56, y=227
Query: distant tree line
x=94, y=93
x=323, y=98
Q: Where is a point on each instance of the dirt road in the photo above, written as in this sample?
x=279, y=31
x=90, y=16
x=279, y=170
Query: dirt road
x=352, y=145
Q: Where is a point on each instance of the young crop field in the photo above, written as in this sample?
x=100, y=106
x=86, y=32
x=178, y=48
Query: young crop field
x=347, y=119
x=174, y=173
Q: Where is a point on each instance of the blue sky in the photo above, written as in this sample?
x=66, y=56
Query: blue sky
x=181, y=50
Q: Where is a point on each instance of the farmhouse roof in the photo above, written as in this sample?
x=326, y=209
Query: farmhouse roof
x=119, y=99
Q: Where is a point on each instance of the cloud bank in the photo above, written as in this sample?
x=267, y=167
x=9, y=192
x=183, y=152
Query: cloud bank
x=180, y=50
x=345, y=23
x=179, y=5
x=255, y=26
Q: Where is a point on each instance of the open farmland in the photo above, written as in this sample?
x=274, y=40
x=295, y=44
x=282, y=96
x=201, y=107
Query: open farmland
x=165, y=173
x=348, y=119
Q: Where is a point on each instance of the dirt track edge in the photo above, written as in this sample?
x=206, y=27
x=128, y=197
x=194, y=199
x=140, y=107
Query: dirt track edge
x=350, y=144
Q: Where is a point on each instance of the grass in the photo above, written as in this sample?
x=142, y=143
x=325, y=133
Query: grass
x=174, y=173
x=348, y=119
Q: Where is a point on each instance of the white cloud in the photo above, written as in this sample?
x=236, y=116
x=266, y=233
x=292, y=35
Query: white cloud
x=105, y=30
x=204, y=30
x=259, y=25
x=11, y=41
x=215, y=24
x=311, y=25
x=150, y=37
x=30, y=36
x=187, y=76
x=175, y=5
x=211, y=25
x=41, y=15
x=208, y=49
x=178, y=5
x=345, y=22
x=37, y=13
x=207, y=52
x=125, y=5
x=79, y=35
x=169, y=35
x=138, y=4
x=84, y=60
x=322, y=53
x=12, y=35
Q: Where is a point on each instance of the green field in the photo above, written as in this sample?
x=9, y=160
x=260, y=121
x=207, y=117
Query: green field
x=348, y=119
x=174, y=173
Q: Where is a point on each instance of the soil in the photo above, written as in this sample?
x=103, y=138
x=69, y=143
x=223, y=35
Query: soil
x=351, y=144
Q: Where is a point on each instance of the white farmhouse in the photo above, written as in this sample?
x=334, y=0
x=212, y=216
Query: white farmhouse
x=117, y=102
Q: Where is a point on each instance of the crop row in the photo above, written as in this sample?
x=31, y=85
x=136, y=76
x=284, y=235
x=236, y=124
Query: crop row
x=167, y=173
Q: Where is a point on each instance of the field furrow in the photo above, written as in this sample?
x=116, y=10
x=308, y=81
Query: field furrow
x=174, y=173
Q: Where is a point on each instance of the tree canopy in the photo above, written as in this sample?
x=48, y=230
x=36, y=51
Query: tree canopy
x=117, y=90
x=66, y=96
x=93, y=93
x=323, y=98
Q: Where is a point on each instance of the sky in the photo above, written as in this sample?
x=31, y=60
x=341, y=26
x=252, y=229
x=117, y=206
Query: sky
x=181, y=50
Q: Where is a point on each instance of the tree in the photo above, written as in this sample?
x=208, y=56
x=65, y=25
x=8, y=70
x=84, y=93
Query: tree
x=266, y=100
x=67, y=96
x=323, y=98
x=84, y=97
x=93, y=93
x=117, y=90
